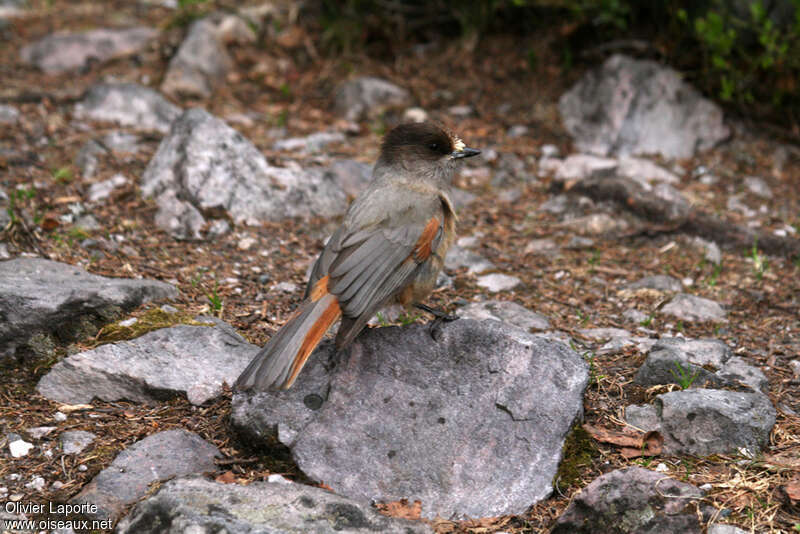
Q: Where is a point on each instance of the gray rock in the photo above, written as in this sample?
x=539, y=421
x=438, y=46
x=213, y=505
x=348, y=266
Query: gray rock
x=75, y=441
x=4, y=254
x=692, y=308
x=597, y=224
x=645, y=171
x=545, y=247
x=367, y=97
x=630, y=106
x=758, y=186
x=127, y=104
x=506, y=312
x=38, y=432
x=496, y=282
x=709, y=361
x=712, y=251
x=40, y=296
x=155, y=458
x=415, y=114
x=87, y=158
x=195, y=505
x=582, y=166
x=310, y=144
x=458, y=257
x=631, y=501
x=487, y=406
x=62, y=52
x=352, y=176
x=659, y=282
x=718, y=528
x=707, y=421
x=9, y=115
x=102, y=190
x=145, y=369
x=203, y=167
x=199, y=65
x=635, y=316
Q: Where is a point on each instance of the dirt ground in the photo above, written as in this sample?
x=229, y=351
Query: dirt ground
x=291, y=86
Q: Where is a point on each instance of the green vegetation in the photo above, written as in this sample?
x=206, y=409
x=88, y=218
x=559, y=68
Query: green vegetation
x=760, y=262
x=214, y=300
x=578, y=451
x=62, y=175
x=682, y=376
x=746, y=54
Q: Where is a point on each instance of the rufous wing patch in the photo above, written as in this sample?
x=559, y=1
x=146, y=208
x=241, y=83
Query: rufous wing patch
x=423, y=248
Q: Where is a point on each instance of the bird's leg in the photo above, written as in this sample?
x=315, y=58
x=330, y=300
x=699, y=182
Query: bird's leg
x=439, y=318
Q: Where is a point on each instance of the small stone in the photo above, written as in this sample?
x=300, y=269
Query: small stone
x=37, y=483
x=367, y=97
x=166, y=308
x=545, y=247
x=549, y=151
x=718, y=528
x=87, y=223
x=82, y=468
x=497, y=282
x=658, y=282
x=102, y=190
x=246, y=243
x=9, y=115
x=4, y=254
x=693, y=308
x=706, y=487
x=460, y=111
x=712, y=251
x=57, y=485
x=60, y=417
x=19, y=448
x=794, y=365
x=285, y=287
x=39, y=432
x=458, y=257
x=310, y=144
x=127, y=104
x=518, y=130
x=415, y=115
x=758, y=187
x=62, y=52
x=597, y=224
x=129, y=322
x=635, y=316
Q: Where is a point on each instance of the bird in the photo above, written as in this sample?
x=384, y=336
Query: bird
x=389, y=249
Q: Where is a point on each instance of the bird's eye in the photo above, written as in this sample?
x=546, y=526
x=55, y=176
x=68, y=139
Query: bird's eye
x=434, y=147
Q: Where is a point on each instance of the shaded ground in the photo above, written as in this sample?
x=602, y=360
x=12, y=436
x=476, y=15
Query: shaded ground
x=291, y=87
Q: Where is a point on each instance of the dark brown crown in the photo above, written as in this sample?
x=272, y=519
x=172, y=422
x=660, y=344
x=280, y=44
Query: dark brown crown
x=417, y=139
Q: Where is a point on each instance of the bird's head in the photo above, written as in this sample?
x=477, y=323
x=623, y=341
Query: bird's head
x=423, y=145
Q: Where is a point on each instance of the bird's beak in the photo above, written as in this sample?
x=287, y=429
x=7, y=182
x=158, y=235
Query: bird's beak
x=465, y=152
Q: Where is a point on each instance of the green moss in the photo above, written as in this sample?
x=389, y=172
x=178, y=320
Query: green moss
x=578, y=451
x=153, y=319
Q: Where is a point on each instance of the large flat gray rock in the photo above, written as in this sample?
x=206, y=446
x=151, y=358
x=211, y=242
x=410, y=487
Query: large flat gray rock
x=40, y=296
x=62, y=52
x=127, y=104
x=707, y=421
x=204, y=168
x=156, y=458
x=631, y=501
x=182, y=360
x=472, y=425
x=628, y=106
x=195, y=505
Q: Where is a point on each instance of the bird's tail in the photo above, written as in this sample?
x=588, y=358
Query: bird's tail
x=277, y=365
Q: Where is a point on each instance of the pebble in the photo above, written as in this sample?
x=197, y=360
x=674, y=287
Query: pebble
x=129, y=322
x=19, y=448
x=38, y=484
x=60, y=417
x=496, y=282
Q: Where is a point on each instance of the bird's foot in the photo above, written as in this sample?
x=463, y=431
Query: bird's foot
x=440, y=317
